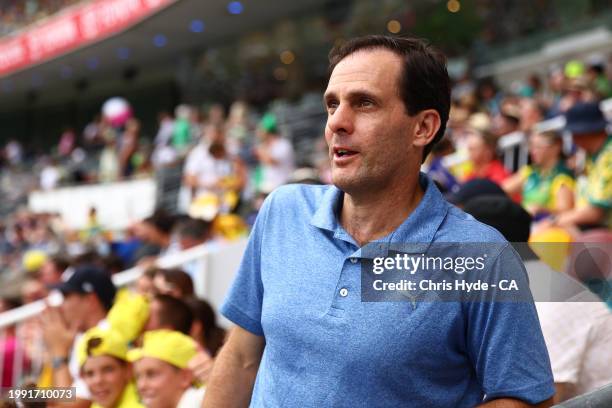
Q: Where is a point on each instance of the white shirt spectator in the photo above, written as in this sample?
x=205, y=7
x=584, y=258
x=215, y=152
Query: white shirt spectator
x=206, y=168
x=578, y=336
x=275, y=175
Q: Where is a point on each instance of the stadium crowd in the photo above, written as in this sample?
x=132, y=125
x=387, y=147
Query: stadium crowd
x=155, y=342
x=15, y=15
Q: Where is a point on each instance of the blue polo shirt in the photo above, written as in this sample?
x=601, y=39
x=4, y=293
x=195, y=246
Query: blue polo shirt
x=299, y=286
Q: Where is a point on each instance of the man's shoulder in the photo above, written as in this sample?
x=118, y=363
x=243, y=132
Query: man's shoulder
x=459, y=226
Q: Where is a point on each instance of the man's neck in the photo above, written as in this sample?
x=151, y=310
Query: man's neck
x=377, y=214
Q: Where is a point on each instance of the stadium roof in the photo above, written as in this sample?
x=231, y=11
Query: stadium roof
x=156, y=41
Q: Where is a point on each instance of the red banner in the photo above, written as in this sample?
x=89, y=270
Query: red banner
x=72, y=29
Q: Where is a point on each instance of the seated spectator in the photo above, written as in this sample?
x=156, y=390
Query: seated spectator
x=482, y=153
x=144, y=284
x=547, y=186
x=52, y=270
x=161, y=369
x=275, y=155
x=594, y=203
x=167, y=312
x=88, y=296
x=436, y=169
x=193, y=232
x=10, y=346
x=218, y=183
x=106, y=371
x=173, y=282
x=155, y=234
x=578, y=337
x=204, y=329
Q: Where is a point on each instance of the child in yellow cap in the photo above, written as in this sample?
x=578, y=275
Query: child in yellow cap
x=104, y=368
x=161, y=369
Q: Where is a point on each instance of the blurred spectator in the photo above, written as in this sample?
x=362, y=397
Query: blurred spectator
x=445, y=180
x=128, y=147
x=578, y=337
x=482, y=153
x=181, y=133
x=275, y=154
x=547, y=186
x=110, y=167
x=174, y=282
x=503, y=214
x=594, y=204
x=52, y=270
x=161, y=369
x=596, y=76
x=88, y=296
x=155, y=234
x=105, y=369
x=164, y=153
x=169, y=312
x=13, y=152
x=215, y=177
x=50, y=175
x=10, y=346
x=67, y=142
x=205, y=329
x=193, y=232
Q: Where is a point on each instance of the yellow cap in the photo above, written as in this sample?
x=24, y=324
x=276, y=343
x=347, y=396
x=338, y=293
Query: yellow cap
x=552, y=246
x=99, y=342
x=33, y=260
x=129, y=314
x=167, y=345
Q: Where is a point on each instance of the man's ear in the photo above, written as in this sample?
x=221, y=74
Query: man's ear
x=427, y=125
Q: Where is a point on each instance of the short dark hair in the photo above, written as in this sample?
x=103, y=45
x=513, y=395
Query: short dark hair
x=194, y=228
x=214, y=336
x=178, y=279
x=174, y=313
x=424, y=82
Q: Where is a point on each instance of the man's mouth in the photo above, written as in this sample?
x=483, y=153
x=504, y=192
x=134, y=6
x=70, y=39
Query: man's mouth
x=343, y=153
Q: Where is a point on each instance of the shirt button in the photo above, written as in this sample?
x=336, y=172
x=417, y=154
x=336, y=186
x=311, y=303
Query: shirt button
x=344, y=292
x=354, y=260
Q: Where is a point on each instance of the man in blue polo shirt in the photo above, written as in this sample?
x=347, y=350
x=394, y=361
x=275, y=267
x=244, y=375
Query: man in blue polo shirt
x=304, y=337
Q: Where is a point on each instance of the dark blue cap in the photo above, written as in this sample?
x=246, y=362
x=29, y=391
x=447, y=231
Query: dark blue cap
x=89, y=279
x=585, y=117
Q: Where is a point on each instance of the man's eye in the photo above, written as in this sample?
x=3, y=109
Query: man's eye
x=365, y=103
x=332, y=105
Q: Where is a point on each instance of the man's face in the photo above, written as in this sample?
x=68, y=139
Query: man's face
x=368, y=132
x=160, y=384
x=75, y=309
x=478, y=151
x=106, y=377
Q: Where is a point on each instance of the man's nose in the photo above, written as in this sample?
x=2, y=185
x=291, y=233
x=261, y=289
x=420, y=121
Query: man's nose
x=341, y=121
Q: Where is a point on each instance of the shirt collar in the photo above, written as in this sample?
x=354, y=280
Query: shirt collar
x=418, y=229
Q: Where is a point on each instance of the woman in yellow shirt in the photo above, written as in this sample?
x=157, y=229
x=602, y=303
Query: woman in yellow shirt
x=547, y=186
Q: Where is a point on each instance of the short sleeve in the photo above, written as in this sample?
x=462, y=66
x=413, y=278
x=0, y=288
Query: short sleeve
x=243, y=302
x=505, y=341
x=599, y=187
